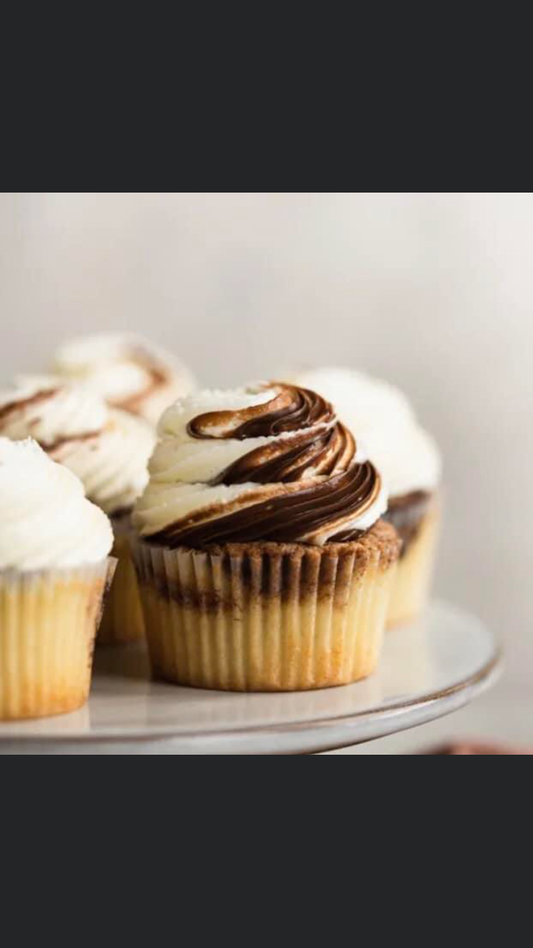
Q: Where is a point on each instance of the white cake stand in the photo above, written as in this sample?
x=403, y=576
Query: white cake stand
x=429, y=668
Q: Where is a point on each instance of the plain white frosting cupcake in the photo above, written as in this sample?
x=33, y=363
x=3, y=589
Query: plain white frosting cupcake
x=47, y=521
x=54, y=569
x=108, y=449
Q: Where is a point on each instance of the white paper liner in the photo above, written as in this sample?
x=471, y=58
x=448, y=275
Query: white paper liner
x=123, y=621
x=48, y=622
x=412, y=586
x=276, y=621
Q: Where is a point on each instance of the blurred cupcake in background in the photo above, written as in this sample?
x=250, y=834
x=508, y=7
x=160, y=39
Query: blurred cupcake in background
x=108, y=449
x=54, y=568
x=263, y=562
x=410, y=463
x=128, y=371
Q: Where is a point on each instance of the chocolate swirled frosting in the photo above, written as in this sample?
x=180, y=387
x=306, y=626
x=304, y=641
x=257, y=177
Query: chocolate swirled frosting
x=267, y=462
x=407, y=456
x=128, y=371
x=106, y=448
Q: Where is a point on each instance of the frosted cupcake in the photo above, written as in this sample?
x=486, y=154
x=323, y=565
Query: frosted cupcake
x=108, y=450
x=410, y=463
x=262, y=559
x=54, y=568
x=128, y=371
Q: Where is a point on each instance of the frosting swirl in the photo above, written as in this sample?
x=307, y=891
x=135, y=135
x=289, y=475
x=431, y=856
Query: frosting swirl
x=106, y=448
x=273, y=463
x=385, y=421
x=47, y=522
x=128, y=371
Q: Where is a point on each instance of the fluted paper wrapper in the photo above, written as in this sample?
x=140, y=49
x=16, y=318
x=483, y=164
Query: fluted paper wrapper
x=412, y=586
x=123, y=621
x=276, y=617
x=48, y=623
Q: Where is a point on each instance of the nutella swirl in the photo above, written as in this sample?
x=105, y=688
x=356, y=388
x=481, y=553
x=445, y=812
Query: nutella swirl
x=286, y=461
x=272, y=463
x=292, y=409
x=407, y=455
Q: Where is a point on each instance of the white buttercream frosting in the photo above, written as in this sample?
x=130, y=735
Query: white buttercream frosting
x=127, y=370
x=183, y=467
x=382, y=418
x=106, y=448
x=47, y=522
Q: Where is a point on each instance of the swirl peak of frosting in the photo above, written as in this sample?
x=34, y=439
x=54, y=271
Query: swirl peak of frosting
x=290, y=409
x=106, y=448
x=127, y=370
x=268, y=462
x=47, y=522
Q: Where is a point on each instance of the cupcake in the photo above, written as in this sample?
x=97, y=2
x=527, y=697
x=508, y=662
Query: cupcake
x=410, y=463
x=54, y=567
x=262, y=559
x=108, y=450
x=128, y=371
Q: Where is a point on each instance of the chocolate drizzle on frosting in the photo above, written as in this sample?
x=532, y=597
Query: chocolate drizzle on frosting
x=29, y=408
x=292, y=409
x=313, y=489
x=107, y=449
x=55, y=448
x=157, y=378
x=19, y=404
x=286, y=517
x=287, y=460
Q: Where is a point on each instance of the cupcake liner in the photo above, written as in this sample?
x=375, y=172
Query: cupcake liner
x=123, y=620
x=48, y=622
x=412, y=586
x=266, y=617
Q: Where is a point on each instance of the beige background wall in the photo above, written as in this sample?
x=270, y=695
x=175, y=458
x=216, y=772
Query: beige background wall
x=433, y=290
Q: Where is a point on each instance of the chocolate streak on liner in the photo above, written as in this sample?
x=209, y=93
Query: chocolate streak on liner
x=287, y=571
x=275, y=577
